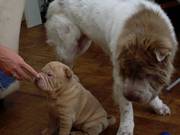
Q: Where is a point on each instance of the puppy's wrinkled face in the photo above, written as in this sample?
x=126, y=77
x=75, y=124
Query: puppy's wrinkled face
x=54, y=76
x=145, y=70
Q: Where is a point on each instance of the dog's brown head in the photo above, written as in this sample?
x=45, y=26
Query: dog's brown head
x=54, y=76
x=145, y=66
x=146, y=51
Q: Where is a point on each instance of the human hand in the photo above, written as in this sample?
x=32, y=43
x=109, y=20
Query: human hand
x=14, y=65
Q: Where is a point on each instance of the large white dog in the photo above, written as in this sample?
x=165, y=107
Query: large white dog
x=136, y=34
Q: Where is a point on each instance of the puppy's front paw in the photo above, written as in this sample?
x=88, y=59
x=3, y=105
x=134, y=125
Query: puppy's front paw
x=124, y=131
x=162, y=110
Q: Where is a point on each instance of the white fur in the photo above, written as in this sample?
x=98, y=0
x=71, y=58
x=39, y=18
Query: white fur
x=102, y=22
x=159, y=107
x=64, y=35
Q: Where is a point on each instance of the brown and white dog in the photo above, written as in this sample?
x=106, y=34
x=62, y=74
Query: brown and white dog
x=71, y=105
x=136, y=34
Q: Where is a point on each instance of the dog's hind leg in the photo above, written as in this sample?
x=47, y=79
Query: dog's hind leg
x=67, y=38
x=159, y=107
x=96, y=130
x=83, y=44
x=96, y=126
x=63, y=34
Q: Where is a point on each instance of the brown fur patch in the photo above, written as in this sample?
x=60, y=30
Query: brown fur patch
x=143, y=34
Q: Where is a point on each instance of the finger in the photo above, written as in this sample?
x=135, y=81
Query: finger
x=30, y=70
x=23, y=74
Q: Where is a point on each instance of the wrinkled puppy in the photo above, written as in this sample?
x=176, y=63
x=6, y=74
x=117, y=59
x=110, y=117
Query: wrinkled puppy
x=71, y=105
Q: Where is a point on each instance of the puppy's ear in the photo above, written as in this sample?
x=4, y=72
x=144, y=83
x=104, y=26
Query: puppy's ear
x=68, y=73
x=162, y=53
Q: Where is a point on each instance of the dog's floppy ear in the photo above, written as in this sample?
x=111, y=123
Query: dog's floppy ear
x=162, y=53
x=68, y=73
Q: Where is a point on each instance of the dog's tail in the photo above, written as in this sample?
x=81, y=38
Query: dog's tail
x=111, y=119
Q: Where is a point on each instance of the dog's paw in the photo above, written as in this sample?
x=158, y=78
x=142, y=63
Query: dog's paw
x=163, y=110
x=124, y=131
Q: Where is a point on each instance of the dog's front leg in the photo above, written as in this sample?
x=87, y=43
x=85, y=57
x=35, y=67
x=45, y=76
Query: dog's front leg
x=159, y=107
x=126, y=109
x=126, y=117
x=65, y=126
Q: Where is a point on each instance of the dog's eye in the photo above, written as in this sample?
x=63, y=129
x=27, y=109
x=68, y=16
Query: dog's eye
x=49, y=75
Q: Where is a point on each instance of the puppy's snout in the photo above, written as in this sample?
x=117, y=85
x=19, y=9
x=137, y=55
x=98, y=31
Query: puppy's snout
x=131, y=96
x=36, y=80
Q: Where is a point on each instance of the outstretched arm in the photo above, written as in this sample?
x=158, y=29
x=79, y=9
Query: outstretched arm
x=13, y=64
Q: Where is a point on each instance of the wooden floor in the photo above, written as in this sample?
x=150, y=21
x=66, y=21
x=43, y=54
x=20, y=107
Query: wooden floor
x=25, y=111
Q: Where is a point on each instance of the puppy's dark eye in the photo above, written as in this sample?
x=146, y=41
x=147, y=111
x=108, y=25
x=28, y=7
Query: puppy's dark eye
x=49, y=74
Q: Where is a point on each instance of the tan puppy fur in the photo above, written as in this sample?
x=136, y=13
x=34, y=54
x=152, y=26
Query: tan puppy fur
x=71, y=105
